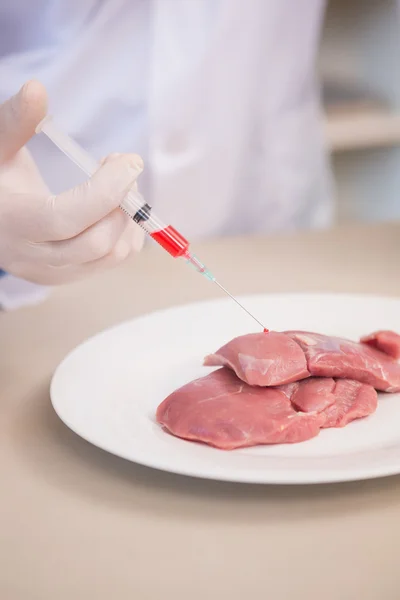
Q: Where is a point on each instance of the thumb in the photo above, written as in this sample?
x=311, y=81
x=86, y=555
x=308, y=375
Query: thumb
x=19, y=116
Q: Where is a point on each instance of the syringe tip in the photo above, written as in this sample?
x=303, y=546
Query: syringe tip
x=198, y=265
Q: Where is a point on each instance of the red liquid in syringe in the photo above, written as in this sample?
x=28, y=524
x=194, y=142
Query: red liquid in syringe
x=171, y=240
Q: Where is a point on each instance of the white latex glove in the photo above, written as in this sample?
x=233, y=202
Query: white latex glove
x=53, y=239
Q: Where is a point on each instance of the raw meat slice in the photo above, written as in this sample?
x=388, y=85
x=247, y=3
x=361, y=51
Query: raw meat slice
x=315, y=394
x=340, y=401
x=224, y=412
x=262, y=359
x=336, y=357
x=270, y=359
x=385, y=341
x=353, y=400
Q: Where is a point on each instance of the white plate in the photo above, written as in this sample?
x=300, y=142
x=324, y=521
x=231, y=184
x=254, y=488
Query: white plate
x=107, y=390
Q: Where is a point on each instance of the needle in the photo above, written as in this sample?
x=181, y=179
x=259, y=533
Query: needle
x=241, y=305
x=135, y=206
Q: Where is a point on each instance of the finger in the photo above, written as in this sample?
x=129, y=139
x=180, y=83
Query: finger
x=111, y=156
x=56, y=275
x=19, y=116
x=20, y=175
x=121, y=251
x=93, y=243
x=70, y=213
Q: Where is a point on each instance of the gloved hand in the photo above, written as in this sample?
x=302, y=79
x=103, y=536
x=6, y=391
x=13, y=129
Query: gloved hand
x=51, y=239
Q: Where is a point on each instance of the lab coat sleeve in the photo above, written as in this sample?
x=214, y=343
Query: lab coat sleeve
x=15, y=292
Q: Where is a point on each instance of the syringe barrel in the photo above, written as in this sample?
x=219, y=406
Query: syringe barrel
x=74, y=151
x=133, y=204
x=165, y=235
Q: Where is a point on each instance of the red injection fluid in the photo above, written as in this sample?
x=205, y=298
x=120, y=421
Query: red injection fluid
x=171, y=240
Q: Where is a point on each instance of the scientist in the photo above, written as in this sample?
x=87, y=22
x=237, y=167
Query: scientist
x=219, y=97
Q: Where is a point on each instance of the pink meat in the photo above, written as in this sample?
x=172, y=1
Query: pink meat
x=353, y=400
x=315, y=394
x=339, y=401
x=262, y=359
x=336, y=357
x=277, y=358
x=385, y=341
x=224, y=412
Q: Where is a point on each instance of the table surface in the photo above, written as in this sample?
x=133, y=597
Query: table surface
x=78, y=523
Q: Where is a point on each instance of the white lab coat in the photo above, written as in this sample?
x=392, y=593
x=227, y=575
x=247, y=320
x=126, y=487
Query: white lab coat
x=219, y=97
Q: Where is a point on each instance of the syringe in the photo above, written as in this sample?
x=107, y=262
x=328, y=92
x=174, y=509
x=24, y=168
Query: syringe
x=135, y=207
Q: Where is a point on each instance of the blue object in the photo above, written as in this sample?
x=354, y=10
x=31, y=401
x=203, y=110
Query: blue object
x=2, y=273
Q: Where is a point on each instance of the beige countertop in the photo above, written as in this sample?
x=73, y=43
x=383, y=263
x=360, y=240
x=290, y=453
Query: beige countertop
x=77, y=523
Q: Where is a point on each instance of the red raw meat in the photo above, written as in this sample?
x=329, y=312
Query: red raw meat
x=263, y=359
x=336, y=357
x=385, y=341
x=315, y=394
x=270, y=360
x=339, y=401
x=353, y=400
x=222, y=411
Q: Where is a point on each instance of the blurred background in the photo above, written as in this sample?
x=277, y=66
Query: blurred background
x=359, y=67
